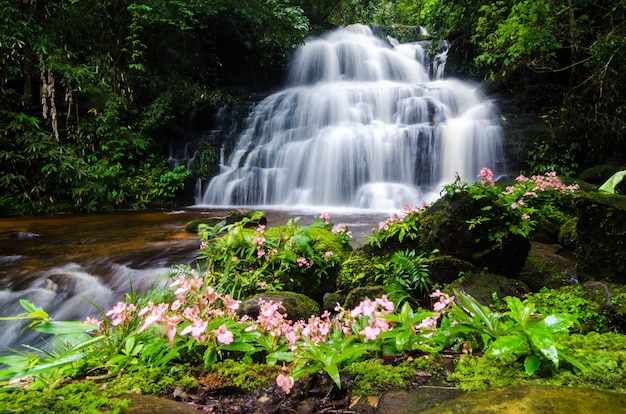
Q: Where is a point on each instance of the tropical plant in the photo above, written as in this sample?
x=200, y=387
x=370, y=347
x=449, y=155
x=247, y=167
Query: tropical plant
x=518, y=332
x=405, y=275
x=244, y=260
x=515, y=206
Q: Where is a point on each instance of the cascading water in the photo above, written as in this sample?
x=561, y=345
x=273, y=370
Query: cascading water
x=361, y=125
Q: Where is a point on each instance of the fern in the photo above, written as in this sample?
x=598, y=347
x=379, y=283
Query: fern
x=406, y=274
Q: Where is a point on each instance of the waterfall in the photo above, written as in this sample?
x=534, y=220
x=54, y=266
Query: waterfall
x=362, y=123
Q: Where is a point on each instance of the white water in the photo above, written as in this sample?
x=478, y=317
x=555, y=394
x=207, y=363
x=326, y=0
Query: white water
x=361, y=125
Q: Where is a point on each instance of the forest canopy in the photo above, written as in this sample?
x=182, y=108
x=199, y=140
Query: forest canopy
x=91, y=91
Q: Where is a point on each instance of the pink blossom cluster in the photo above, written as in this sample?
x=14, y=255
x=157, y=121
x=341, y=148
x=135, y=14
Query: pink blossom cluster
x=486, y=176
x=398, y=217
x=342, y=229
x=273, y=321
x=121, y=313
x=430, y=324
x=372, y=312
x=192, y=310
x=548, y=181
x=325, y=217
x=534, y=185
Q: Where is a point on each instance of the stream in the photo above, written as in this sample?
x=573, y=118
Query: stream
x=71, y=265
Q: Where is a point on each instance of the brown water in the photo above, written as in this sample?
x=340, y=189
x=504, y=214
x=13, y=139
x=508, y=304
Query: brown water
x=69, y=263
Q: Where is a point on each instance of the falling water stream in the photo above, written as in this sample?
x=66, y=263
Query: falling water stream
x=361, y=125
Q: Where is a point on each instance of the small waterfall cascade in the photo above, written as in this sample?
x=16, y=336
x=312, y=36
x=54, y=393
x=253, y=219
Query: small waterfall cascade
x=363, y=123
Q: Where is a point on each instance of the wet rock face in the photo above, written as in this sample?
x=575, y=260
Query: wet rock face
x=455, y=238
x=601, y=242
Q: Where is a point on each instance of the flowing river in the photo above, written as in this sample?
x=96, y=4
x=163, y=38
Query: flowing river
x=72, y=264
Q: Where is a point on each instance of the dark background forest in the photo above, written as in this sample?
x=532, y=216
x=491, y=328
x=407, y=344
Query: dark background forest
x=92, y=92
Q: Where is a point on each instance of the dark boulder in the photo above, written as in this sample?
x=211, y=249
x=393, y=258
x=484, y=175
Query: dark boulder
x=601, y=238
x=296, y=305
x=453, y=236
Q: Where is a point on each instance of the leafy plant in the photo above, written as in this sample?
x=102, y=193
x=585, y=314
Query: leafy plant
x=71, y=350
x=515, y=206
x=244, y=261
x=405, y=275
x=519, y=332
x=397, y=227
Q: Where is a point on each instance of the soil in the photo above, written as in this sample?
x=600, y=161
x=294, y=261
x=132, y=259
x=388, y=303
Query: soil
x=316, y=393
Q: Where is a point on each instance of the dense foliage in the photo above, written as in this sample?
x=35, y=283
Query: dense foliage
x=89, y=88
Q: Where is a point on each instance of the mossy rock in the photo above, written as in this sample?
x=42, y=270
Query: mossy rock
x=601, y=237
x=452, y=235
x=297, y=306
x=359, y=269
x=532, y=400
x=545, y=268
x=485, y=286
x=192, y=226
x=232, y=217
x=359, y=294
x=446, y=269
x=599, y=174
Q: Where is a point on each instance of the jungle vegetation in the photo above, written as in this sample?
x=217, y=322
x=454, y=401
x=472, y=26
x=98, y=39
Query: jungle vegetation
x=91, y=92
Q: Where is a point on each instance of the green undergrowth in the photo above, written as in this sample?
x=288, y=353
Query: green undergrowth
x=246, y=376
x=103, y=395
x=374, y=377
x=78, y=397
x=603, y=354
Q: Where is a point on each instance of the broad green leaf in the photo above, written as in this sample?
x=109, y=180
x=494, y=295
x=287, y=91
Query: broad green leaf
x=531, y=364
x=64, y=327
x=554, y=323
x=508, y=344
x=333, y=371
x=546, y=346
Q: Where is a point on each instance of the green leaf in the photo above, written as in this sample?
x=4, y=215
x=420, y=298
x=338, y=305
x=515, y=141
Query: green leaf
x=509, y=344
x=531, y=364
x=64, y=327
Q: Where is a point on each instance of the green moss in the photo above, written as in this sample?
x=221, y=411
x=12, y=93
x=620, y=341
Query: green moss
x=360, y=269
x=323, y=240
x=539, y=273
x=587, y=306
x=80, y=397
x=246, y=376
x=474, y=372
x=372, y=377
x=604, y=356
x=599, y=173
x=568, y=230
x=153, y=381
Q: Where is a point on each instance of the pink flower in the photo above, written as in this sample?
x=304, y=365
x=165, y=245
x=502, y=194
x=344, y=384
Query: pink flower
x=260, y=253
x=93, y=321
x=370, y=332
x=229, y=303
x=224, y=335
x=197, y=328
x=486, y=176
x=120, y=313
x=325, y=217
x=525, y=216
x=285, y=382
